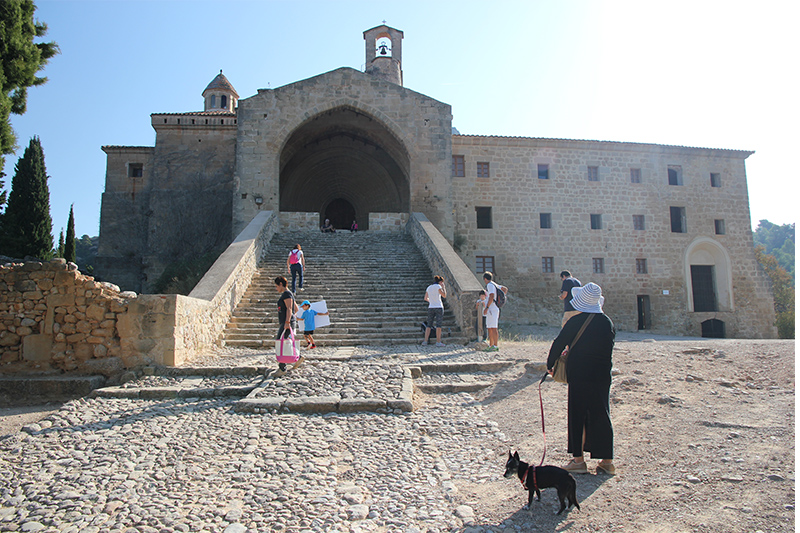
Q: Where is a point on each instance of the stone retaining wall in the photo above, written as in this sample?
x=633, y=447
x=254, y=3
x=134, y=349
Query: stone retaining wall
x=395, y=222
x=53, y=318
x=462, y=285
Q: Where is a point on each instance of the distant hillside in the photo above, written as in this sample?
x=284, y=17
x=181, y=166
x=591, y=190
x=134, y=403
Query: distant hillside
x=778, y=241
x=86, y=253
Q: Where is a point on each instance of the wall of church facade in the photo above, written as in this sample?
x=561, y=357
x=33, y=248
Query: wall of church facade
x=180, y=207
x=590, y=183
x=267, y=120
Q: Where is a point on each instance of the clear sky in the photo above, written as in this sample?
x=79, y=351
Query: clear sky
x=720, y=74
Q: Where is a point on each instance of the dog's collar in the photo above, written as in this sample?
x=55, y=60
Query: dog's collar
x=525, y=475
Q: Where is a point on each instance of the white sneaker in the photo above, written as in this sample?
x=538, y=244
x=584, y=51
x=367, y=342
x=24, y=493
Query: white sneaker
x=424, y=343
x=439, y=344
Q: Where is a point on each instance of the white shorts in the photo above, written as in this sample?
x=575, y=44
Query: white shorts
x=492, y=316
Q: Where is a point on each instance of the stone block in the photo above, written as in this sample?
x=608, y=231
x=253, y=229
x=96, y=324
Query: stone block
x=355, y=405
x=37, y=348
x=96, y=312
x=313, y=404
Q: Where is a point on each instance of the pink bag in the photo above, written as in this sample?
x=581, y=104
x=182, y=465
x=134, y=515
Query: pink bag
x=286, y=349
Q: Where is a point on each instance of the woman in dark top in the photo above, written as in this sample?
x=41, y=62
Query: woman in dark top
x=589, y=373
x=286, y=317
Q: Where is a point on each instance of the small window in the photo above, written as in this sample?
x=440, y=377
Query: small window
x=484, y=217
x=596, y=221
x=677, y=219
x=674, y=175
x=641, y=266
x=636, y=175
x=548, y=265
x=135, y=170
x=484, y=263
x=719, y=226
x=458, y=166
x=545, y=220
x=594, y=174
x=213, y=100
x=716, y=179
x=638, y=222
x=598, y=265
x=544, y=172
x=223, y=101
x=483, y=170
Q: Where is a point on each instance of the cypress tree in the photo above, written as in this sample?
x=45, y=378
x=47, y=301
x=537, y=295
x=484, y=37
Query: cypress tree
x=26, y=226
x=60, y=250
x=69, y=243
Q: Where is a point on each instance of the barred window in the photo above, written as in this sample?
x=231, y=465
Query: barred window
x=594, y=174
x=483, y=170
x=596, y=221
x=636, y=175
x=598, y=265
x=641, y=266
x=638, y=222
x=545, y=220
x=548, y=265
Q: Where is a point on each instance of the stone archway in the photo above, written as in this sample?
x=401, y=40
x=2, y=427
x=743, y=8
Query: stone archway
x=346, y=161
x=341, y=213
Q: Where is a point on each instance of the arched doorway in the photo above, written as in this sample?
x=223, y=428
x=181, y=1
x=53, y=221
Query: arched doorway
x=341, y=213
x=344, y=164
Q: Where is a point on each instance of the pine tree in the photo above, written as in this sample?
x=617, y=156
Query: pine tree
x=60, y=250
x=26, y=224
x=69, y=243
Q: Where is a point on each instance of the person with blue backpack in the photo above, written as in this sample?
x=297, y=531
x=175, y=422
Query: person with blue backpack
x=495, y=299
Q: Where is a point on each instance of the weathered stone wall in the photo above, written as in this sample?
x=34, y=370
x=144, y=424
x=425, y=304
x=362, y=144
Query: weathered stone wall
x=462, y=287
x=54, y=318
x=394, y=222
x=296, y=221
x=517, y=196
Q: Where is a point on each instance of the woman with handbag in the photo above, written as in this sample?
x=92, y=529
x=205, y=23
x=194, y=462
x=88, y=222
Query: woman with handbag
x=287, y=320
x=589, y=336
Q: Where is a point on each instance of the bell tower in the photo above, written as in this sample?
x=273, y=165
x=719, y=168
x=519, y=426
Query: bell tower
x=385, y=53
x=220, y=95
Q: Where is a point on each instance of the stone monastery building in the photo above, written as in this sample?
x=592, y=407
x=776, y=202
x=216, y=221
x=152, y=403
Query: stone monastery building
x=665, y=230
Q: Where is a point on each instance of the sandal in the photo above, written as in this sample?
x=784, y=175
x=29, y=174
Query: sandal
x=575, y=467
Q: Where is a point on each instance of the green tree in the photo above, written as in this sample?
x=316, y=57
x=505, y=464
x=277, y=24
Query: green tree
x=69, y=243
x=782, y=292
x=26, y=225
x=777, y=241
x=60, y=249
x=20, y=60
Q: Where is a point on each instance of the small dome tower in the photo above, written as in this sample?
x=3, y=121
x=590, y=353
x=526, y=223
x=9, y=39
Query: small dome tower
x=220, y=95
x=385, y=60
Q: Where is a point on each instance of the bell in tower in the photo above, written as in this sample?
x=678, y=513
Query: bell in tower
x=384, y=53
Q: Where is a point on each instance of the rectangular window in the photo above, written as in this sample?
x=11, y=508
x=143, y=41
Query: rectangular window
x=598, y=265
x=483, y=170
x=719, y=226
x=484, y=217
x=636, y=175
x=594, y=174
x=674, y=175
x=458, y=166
x=641, y=266
x=545, y=220
x=548, y=265
x=716, y=179
x=135, y=170
x=544, y=172
x=638, y=222
x=484, y=263
x=677, y=219
x=596, y=221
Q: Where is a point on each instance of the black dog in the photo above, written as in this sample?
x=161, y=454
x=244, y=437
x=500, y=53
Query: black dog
x=534, y=478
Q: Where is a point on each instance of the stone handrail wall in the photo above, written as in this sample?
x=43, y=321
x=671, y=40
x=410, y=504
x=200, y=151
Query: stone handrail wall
x=462, y=286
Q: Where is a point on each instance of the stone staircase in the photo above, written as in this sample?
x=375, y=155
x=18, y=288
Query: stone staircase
x=373, y=284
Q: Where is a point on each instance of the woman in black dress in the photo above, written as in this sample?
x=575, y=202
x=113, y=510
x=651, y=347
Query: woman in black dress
x=287, y=318
x=589, y=374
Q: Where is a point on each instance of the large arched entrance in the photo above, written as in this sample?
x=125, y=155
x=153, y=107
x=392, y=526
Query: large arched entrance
x=344, y=164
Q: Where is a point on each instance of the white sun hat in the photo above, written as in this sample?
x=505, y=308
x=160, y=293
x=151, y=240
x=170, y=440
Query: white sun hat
x=588, y=299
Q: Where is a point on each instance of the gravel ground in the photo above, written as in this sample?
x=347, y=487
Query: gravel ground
x=704, y=438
